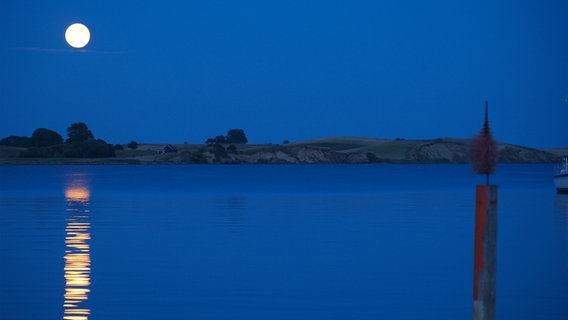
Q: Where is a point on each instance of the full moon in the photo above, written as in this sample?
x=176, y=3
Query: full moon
x=77, y=35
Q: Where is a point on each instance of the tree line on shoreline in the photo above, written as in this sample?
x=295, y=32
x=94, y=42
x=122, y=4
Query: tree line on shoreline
x=81, y=143
x=46, y=143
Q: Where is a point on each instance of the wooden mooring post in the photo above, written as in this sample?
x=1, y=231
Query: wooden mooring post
x=485, y=253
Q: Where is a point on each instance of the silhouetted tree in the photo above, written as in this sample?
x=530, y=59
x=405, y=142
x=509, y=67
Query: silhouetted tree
x=15, y=141
x=216, y=140
x=237, y=136
x=89, y=149
x=233, y=136
x=221, y=139
x=82, y=144
x=132, y=145
x=79, y=132
x=44, y=137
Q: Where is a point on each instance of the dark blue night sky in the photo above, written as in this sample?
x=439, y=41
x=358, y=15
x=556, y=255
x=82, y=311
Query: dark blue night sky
x=175, y=71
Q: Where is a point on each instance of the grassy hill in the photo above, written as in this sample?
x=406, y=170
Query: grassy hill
x=441, y=150
x=325, y=150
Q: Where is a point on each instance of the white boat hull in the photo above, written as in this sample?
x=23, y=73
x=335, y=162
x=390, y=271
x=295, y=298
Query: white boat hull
x=561, y=182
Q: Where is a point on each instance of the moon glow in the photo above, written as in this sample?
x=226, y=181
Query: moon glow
x=77, y=35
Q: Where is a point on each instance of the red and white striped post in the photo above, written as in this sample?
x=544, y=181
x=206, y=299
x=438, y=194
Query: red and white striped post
x=485, y=253
x=484, y=160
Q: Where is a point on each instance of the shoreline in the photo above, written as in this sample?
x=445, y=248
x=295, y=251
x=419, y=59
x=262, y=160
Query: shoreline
x=343, y=150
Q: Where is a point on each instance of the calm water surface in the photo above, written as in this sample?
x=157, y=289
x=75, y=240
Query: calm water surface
x=273, y=242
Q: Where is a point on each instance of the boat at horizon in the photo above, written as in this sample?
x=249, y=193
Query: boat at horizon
x=561, y=176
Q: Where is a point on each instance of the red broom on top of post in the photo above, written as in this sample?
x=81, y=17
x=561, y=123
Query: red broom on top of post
x=483, y=150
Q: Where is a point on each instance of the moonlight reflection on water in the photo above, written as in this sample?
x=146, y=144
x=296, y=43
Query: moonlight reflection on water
x=77, y=250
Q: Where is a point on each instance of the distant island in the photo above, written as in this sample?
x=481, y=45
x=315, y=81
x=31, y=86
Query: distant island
x=47, y=147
